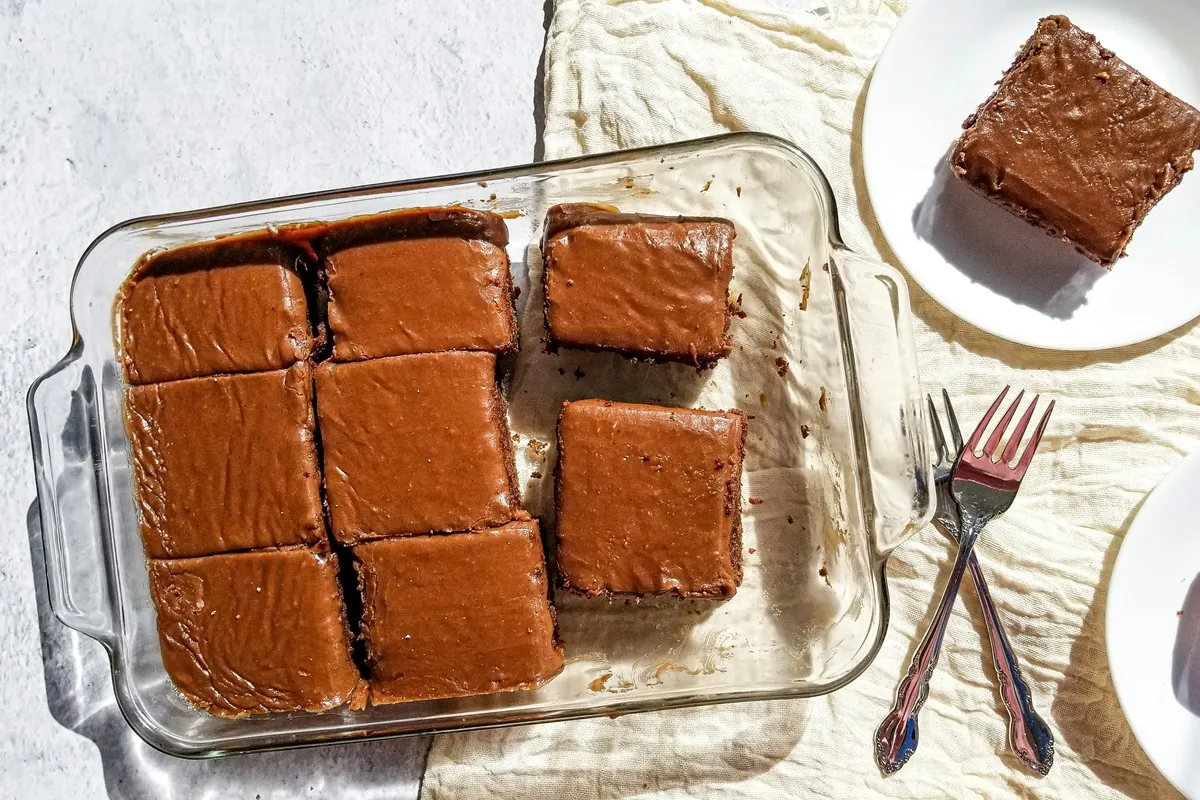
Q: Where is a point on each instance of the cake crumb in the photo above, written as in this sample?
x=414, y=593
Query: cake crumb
x=516, y=292
x=482, y=184
x=762, y=400
x=752, y=551
x=825, y=266
x=492, y=197
x=536, y=475
x=738, y=189
x=822, y=401
x=790, y=520
x=756, y=501
x=735, y=306
x=562, y=371
x=804, y=431
x=805, y=286
x=597, y=685
x=707, y=185
x=537, y=449
x=579, y=373
x=824, y=573
x=781, y=366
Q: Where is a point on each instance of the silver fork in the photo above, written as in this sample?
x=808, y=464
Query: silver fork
x=1029, y=737
x=983, y=489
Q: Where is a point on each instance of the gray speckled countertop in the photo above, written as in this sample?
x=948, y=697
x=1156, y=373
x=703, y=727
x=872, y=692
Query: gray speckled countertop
x=109, y=111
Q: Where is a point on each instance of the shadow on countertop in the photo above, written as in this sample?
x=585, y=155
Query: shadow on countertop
x=80, y=695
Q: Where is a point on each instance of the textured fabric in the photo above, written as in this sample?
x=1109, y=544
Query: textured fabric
x=626, y=74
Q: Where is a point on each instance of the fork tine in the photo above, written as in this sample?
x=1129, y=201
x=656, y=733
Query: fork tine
x=989, y=449
x=1027, y=456
x=955, y=431
x=983, y=423
x=1014, y=441
x=939, y=439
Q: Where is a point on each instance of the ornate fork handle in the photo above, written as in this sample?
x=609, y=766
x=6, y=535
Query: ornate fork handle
x=1029, y=737
x=896, y=738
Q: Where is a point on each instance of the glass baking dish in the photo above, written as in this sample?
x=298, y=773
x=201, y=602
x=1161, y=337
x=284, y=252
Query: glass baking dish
x=836, y=472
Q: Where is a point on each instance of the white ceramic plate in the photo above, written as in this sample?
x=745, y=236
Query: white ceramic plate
x=984, y=265
x=1153, y=651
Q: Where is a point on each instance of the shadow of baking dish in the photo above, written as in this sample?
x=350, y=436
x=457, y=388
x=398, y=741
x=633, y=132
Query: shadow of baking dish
x=994, y=248
x=79, y=692
x=1185, y=664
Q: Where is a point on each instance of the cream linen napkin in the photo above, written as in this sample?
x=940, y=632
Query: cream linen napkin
x=627, y=74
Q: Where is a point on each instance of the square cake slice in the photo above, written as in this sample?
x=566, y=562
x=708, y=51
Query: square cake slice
x=250, y=633
x=212, y=309
x=644, y=286
x=1077, y=142
x=415, y=444
x=463, y=614
x=419, y=281
x=648, y=499
x=225, y=463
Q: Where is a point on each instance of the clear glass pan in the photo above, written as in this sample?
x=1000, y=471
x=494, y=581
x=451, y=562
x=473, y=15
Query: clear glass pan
x=837, y=467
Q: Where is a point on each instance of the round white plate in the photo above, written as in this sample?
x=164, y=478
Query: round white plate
x=1153, y=651
x=980, y=262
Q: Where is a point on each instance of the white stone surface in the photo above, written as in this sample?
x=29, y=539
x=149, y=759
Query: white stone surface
x=113, y=110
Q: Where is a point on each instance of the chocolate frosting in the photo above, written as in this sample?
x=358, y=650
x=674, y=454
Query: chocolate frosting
x=249, y=633
x=225, y=463
x=415, y=444
x=419, y=296
x=1077, y=142
x=644, y=285
x=648, y=499
x=413, y=223
x=459, y=614
x=213, y=309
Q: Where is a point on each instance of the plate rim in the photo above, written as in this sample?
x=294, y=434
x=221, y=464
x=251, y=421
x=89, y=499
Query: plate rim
x=1169, y=484
x=909, y=22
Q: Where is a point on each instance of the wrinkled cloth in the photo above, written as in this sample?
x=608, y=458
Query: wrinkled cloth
x=634, y=73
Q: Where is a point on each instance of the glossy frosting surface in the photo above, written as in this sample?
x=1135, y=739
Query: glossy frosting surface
x=200, y=312
x=457, y=614
x=419, y=296
x=648, y=499
x=225, y=463
x=650, y=286
x=1077, y=141
x=248, y=633
x=415, y=444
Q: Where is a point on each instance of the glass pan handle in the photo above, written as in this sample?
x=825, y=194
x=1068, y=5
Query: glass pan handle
x=893, y=452
x=63, y=421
